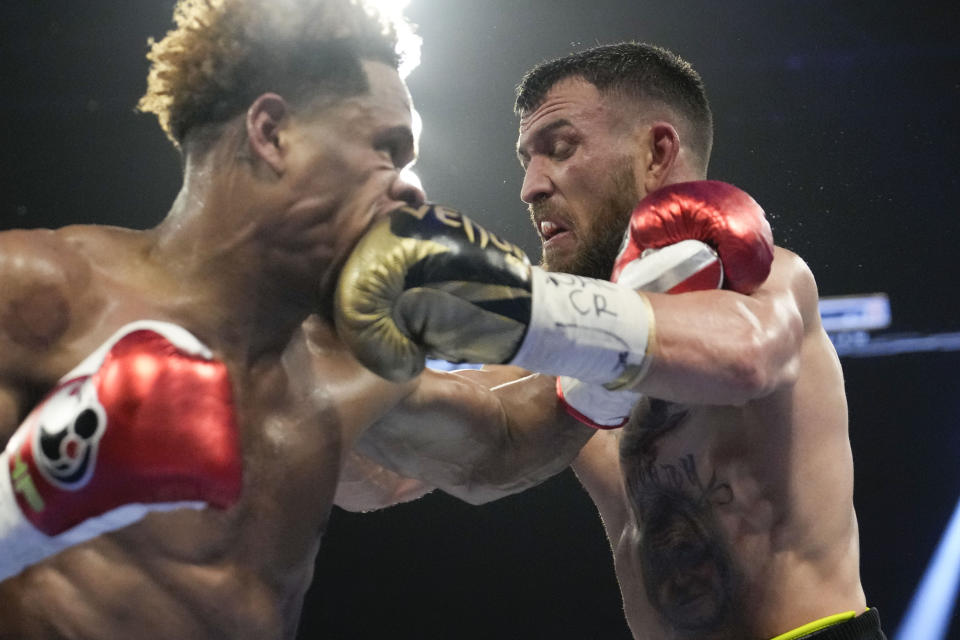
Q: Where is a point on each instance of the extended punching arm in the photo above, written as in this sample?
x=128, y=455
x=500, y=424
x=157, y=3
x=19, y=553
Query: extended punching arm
x=428, y=281
x=477, y=434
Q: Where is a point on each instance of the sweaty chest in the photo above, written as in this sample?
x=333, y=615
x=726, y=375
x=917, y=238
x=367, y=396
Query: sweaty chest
x=292, y=439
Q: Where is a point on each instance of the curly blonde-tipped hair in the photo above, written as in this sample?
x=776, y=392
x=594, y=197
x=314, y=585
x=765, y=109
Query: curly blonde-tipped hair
x=224, y=53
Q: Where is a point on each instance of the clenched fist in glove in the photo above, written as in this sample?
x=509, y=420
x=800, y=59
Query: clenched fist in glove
x=427, y=281
x=715, y=213
x=145, y=423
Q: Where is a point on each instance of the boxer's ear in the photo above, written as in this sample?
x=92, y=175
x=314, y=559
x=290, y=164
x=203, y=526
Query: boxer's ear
x=659, y=149
x=265, y=120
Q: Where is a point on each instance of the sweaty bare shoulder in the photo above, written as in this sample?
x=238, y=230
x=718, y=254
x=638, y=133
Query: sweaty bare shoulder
x=799, y=279
x=45, y=282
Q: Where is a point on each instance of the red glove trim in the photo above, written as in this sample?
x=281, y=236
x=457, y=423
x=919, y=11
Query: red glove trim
x=573, y=413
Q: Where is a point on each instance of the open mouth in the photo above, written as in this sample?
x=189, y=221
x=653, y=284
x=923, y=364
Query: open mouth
x=550, y=230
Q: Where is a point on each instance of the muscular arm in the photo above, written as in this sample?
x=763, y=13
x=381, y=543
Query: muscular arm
x=365, y=485
x=478, y=435
x=721, y=347
x=718, y=347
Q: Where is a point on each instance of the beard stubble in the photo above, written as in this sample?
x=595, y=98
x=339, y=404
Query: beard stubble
x=600, y=238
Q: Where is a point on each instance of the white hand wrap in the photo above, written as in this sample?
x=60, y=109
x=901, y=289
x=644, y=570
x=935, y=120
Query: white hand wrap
x=592, y=330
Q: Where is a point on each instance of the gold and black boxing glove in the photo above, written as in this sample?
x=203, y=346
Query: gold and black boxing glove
x=428, y=281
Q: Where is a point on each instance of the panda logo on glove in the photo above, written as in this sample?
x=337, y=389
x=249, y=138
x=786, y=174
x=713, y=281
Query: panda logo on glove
x=70, y=423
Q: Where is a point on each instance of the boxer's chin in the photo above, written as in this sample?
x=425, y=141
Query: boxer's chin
x=593, y=256
x=598, y=242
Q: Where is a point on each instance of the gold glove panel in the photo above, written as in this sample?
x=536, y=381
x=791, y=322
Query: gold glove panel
x=429, y=281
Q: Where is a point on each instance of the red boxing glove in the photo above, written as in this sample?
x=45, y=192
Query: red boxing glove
x=146, y=422
x=717, y=213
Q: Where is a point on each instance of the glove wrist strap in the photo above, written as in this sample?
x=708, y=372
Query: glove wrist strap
x=22, y=543
x=592, y=330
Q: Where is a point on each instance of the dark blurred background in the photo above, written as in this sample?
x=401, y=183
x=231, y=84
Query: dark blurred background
x=841, y=118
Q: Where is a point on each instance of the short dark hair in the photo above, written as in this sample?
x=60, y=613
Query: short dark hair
x=225, y=53
x=637, y=71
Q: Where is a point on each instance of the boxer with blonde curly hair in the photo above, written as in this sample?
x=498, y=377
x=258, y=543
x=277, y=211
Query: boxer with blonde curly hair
x=177, y=415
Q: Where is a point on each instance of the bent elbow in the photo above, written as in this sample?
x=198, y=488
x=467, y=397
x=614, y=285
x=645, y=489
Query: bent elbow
x=762, y=381
x=748, y=377
x=765, y=365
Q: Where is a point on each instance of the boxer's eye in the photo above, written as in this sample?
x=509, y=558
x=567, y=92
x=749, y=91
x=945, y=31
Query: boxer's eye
x=391, y=152
x=561, y=150
x=398, y=144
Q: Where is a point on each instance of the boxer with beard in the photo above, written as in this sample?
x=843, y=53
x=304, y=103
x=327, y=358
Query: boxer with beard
x=727, y=495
